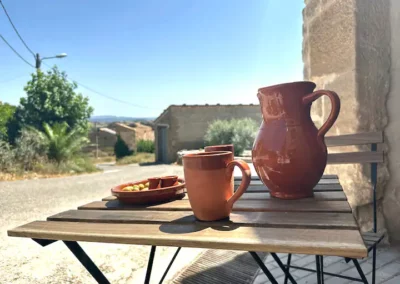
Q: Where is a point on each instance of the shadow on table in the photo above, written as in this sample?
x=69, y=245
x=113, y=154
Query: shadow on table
x=219, y=266
x=189, y=224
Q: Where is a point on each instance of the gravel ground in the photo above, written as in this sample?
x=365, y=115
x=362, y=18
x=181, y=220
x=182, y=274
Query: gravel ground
x=24, y=261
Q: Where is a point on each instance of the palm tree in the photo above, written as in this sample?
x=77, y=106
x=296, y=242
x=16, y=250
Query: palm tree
x=61, y=143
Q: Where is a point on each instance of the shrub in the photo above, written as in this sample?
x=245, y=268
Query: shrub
x=6, y=156
x=121, y=149
x=61, y=144
x=30, y=149
x=245, y=131
x=239, y=132
x=145, y=146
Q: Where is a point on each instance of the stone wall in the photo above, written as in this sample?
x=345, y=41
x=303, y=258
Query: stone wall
x=391, y=202
x=127, y=134
x=188, y=124
x=346, y=48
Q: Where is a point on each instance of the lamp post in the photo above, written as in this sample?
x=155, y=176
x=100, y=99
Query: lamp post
x=39, y=60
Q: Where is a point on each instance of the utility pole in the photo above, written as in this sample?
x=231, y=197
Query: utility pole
x=97, y=140
x=38, y=60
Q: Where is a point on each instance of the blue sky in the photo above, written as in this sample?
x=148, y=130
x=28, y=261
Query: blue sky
x=156, y=53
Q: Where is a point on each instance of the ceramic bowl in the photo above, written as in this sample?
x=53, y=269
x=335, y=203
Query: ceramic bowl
x=151, y=196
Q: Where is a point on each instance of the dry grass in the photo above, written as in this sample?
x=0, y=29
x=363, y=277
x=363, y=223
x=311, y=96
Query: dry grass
x=50, y=169
x=100, y=160
x=139, y=158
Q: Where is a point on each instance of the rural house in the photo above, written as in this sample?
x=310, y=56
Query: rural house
x=184, y=126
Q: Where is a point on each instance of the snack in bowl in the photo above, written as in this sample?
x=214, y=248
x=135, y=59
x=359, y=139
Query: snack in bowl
x=139, y=193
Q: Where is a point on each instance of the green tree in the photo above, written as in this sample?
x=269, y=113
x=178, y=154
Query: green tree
x=52, y=99
x=121, y=149
x=6, y=114
x=62, y=142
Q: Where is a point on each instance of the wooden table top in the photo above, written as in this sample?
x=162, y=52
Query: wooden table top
x=321, y=225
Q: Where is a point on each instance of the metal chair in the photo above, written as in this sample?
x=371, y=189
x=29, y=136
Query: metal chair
x=373, y=157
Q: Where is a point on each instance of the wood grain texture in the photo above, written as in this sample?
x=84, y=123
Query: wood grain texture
x=272, y=205
x=345, y=243
x=319, y=195
x=354, y=139
x=248, y=219
x=318, y=187
x=321, y=182
x=255, y=177
x=355, y=158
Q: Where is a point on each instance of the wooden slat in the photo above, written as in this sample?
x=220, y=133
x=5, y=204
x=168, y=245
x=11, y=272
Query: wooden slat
x=355, y=158
x=322, y=181
x=255, y=177
x=318, y=187
x=249, y=219
x=319, y=195
x=345, y=243
x=272, y=205
x=354, y=139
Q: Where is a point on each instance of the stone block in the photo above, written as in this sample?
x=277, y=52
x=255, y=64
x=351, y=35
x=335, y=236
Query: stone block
x=332, y=39
x=344, y=84
x=364, y=215
x=312, y=9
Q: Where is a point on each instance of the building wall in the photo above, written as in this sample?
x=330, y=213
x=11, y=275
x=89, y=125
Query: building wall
x=127, y=134
x=188, y=124
x=163, y=121
x=105, y=139
x=346, y=48
x=391, y=204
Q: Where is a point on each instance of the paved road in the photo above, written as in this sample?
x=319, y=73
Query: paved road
x=23, y=261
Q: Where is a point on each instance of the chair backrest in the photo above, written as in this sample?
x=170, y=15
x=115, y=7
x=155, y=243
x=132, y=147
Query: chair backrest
x=372, y=157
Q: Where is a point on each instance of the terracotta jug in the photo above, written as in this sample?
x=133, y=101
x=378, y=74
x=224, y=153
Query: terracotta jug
x=289, y=153
x=209, y=183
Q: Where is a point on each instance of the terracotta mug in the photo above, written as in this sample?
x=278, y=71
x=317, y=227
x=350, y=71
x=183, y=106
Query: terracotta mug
x=154, y=182
x=168, y=181
x=227, y=147
x=209, y=183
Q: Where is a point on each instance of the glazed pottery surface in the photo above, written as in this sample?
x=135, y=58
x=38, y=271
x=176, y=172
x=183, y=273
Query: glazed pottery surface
x=209, y=183
x=228, y=147
x=289, y=153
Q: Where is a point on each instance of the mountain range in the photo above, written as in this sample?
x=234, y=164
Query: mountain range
x=113, y=118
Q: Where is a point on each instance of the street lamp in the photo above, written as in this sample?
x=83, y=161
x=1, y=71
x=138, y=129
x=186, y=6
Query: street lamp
x=39, y=60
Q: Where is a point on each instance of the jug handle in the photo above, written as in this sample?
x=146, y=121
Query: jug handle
x=246, y=178
x=335, y=103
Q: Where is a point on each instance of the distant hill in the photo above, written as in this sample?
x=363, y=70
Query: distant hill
x=113, y=118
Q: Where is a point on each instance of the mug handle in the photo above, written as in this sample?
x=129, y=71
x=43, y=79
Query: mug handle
x=335, y=102
x=246, y=178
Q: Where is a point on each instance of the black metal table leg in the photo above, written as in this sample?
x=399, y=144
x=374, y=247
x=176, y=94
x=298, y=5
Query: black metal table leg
x=373, y=264
x=362, y=275
x=289, y=259
x=321, y=257
x=169, y=265
x=286, y=271
x=80, y=254
x=263, y=267
x=318, y=269
x=150, y=265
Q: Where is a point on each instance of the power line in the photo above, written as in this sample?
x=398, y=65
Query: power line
x=109, y=97
x=104, y=95
x=15, y=29
x=19, y=55
x=12, y=79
